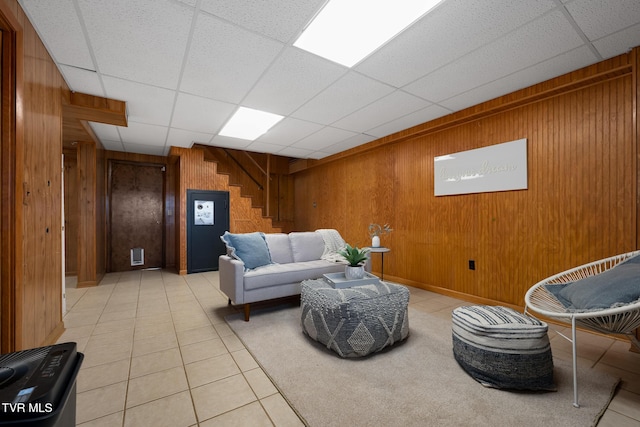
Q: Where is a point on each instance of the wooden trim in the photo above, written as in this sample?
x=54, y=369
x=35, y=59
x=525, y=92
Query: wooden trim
x=96, y=109
x=87, y=284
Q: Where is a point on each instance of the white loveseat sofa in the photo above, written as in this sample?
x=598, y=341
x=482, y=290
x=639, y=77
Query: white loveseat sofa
x=263, y=266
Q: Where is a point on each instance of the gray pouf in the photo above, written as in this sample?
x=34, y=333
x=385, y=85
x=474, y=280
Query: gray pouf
x=502, y=348
x=357, y=321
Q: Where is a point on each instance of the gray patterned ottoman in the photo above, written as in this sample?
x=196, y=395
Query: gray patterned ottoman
x=502, y=348
x=355, y=321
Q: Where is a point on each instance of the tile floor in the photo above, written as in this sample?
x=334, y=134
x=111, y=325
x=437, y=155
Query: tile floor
x=159, y=353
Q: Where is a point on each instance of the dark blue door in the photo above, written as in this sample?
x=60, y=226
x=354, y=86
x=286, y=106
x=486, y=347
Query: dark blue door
x=207, y=220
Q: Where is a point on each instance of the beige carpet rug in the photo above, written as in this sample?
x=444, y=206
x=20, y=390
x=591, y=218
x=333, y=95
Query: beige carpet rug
x=416, y=383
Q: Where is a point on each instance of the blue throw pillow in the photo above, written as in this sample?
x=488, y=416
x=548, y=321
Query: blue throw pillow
x=250, y=248
x=617, y=286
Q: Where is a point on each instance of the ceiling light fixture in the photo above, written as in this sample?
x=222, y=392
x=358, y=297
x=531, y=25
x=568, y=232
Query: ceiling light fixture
x=248, y=123
x=346, y=31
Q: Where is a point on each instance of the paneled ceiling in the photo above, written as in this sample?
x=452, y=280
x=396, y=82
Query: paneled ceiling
x=184, y=66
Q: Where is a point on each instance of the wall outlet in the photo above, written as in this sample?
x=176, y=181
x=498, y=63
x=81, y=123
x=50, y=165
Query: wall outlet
x=472, y=264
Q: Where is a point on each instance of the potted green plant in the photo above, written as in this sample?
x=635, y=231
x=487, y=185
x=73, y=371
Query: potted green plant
x=356, y=258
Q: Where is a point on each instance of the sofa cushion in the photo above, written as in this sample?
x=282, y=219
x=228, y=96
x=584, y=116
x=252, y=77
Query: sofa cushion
x=250, y=248
x=280, y=274
x=306, y=245
x=279, y=247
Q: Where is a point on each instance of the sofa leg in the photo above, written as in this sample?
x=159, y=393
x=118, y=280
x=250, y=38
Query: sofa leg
x=247, y=309
x=229, y=301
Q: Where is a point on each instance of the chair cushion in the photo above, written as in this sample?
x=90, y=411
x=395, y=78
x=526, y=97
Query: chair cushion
x=250, y=248
x=615, y=287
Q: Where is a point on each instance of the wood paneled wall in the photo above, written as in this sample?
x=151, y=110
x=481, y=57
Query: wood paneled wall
x=580, y=204
x=193, y=173
x=71, y=211
x=36, y=315
x=10, y=178
x=87, y=227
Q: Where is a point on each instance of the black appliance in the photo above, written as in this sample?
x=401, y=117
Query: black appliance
x=38, y=386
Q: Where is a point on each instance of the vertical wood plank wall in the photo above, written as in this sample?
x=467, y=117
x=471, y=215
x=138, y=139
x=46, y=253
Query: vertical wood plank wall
x=11, y=178
x=101, y=211
x=39, y=286
x=196, y=174
x=580, y=204
x=71, y=210
x=87, y=214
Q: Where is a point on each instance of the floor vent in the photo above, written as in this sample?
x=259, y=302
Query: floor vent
x=137, y=256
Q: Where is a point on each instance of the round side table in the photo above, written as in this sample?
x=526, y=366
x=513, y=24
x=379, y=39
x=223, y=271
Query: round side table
x=380, y=250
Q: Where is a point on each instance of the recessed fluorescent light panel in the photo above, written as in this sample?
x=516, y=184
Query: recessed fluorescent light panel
x=346, y=31
x=249, y=124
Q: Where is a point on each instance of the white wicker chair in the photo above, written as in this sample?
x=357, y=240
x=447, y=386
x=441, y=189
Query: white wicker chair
x=622, y=320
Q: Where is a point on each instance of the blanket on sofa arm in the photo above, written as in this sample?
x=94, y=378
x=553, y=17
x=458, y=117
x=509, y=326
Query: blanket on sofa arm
x=333, y=242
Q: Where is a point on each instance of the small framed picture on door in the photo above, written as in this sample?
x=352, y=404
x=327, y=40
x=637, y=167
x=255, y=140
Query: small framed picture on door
x=203, y=212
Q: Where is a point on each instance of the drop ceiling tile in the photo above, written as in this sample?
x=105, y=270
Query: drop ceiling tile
x=325, y=137
x=141, y=133
x=289, y=130
x=154, y=33
x=80, y=80
x=200, y=114
x=185, y=139
x=225, y=141
x=295, y=77
x=152, y=150
x=422, y=116
x=57, y=21
x=555, y=66
x=392, y=106
x=261, y=147
x=105, y=132
x=112, y=145
x=619, y=43
x=299, y=153
x=598, y=19
x=462, y=54
x=348, y=143
x=279, y=19
x=225, y=61
x=453, y=29
x=317, y=155
x=350, y=93
x=145, y=104
x=549, y=36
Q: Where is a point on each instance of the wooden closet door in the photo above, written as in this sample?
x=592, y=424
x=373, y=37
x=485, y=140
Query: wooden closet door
x=136, y=214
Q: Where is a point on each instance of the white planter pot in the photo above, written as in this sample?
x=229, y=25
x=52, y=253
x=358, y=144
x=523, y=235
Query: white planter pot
x=354, y=273
x=375, y=242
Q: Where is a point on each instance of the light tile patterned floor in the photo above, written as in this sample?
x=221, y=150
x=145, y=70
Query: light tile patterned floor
x=159, y=353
